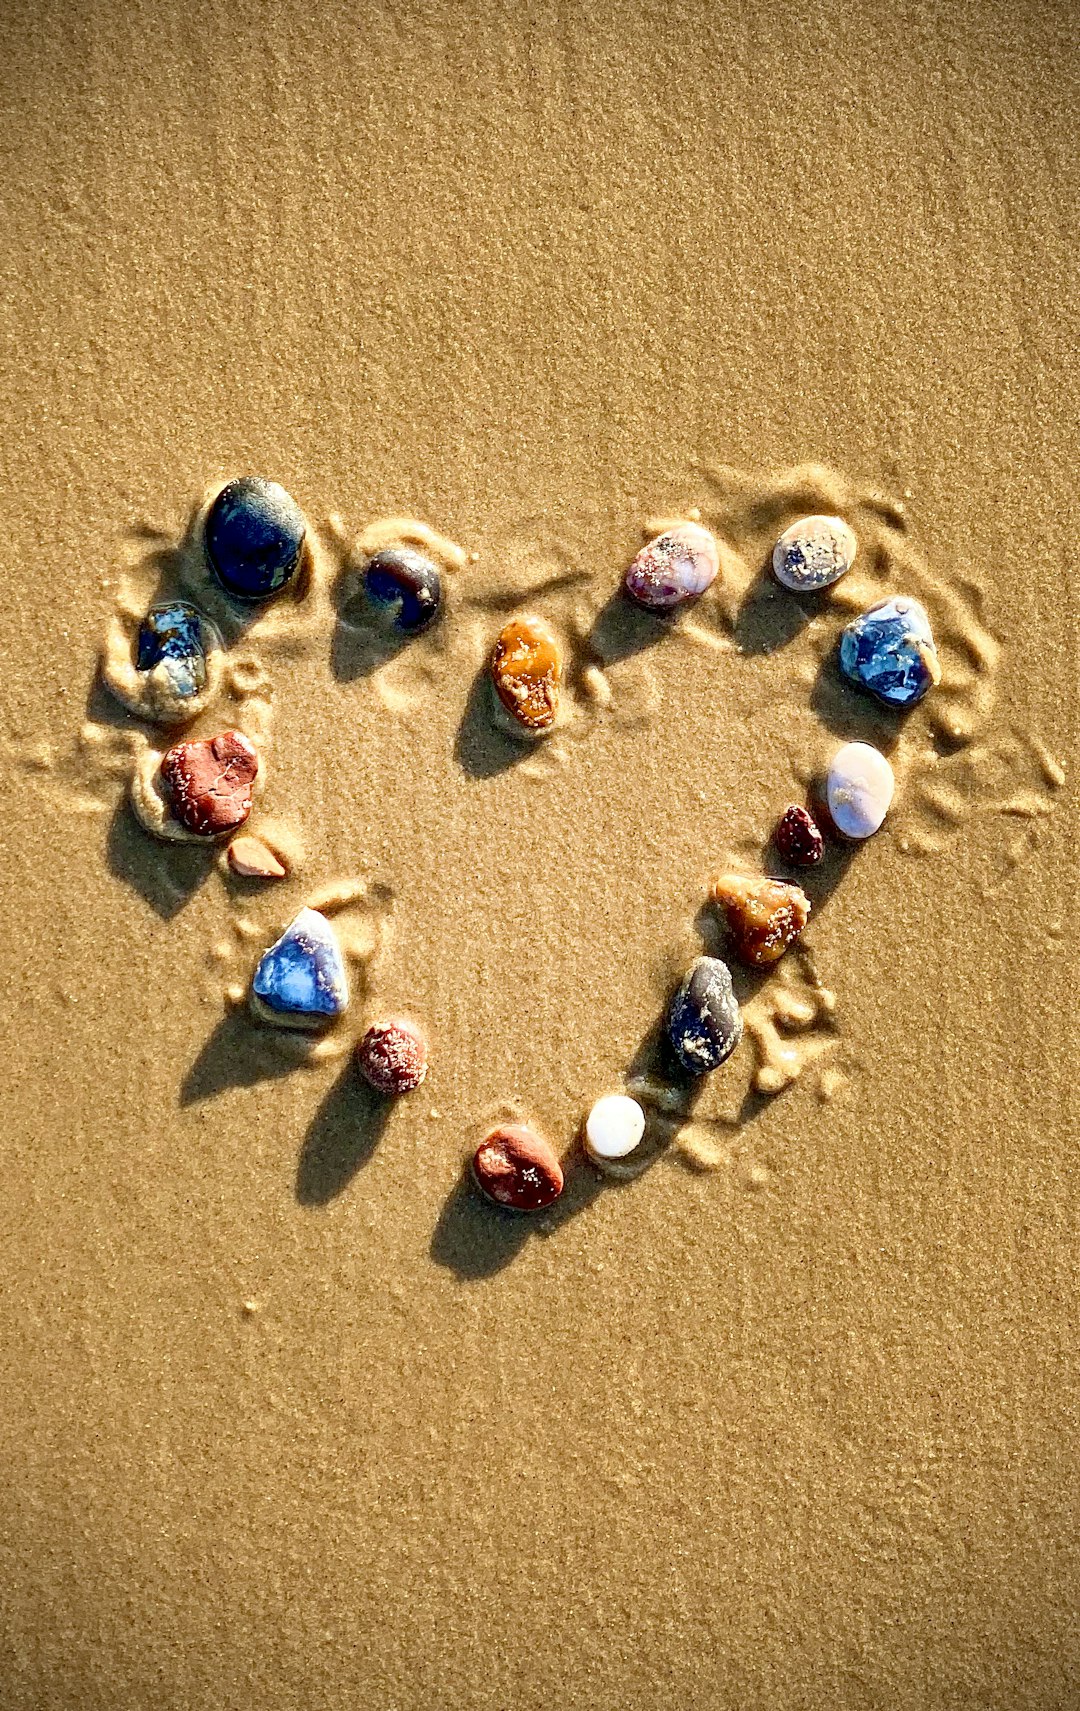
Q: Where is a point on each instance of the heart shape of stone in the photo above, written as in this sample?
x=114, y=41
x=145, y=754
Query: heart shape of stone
x=209, y=782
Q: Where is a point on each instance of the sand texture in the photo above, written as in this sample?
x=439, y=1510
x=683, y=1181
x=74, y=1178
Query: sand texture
x=779, y=1412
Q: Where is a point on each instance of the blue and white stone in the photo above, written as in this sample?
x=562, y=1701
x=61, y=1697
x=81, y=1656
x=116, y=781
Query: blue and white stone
x=174, y=671
x=890, y=652
x=301, y=981
x=704, y=1024
x=814, y=553
x=859, y=789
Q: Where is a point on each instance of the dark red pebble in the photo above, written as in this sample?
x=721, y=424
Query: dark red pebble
x=798, y=838
x=392, y=1056
x=518, y=1169
x=209, y=782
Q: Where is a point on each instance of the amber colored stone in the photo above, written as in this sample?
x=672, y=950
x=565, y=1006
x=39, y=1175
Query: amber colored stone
x=209, y=782
x=518, y=1169
x=764, y=916
x=526, y=669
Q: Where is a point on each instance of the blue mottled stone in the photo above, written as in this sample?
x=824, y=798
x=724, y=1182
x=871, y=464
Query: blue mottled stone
x=301, y=980
x=403, y=589
x=175, y=636
x=889, y=651
x=254, y=536
x=704, y=1024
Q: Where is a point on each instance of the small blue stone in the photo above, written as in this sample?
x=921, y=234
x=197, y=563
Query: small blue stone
x=175, y=634
x=254, y=536
x=404, y=589
x=301, y=980
x=703, y=1024
x=890, y=652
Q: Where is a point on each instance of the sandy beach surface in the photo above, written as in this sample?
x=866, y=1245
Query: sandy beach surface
x=784, y=1415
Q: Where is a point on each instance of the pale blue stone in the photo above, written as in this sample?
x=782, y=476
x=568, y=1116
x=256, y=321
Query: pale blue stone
x=301, y=979
x=890, y=652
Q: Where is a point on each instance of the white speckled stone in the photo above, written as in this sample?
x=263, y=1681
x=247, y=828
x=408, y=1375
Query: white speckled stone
x=814, y=553
x=859, y=789
x=614, y=1126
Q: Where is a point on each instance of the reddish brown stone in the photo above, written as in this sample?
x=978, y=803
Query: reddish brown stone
x=392, y=1056
x=518, y=1169
x=798, y=837
x=764, y=916
x=209, y=782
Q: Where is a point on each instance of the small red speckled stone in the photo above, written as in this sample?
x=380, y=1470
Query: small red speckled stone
x=518, y=1169
x=209, y=782
x=392, y=1056
x=798, y=838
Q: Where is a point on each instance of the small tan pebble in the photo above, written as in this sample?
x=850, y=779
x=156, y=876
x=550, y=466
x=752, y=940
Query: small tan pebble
x=250, y=1307
x=518, y=1169
x=526, y=669
x=392, y=1056
x=252, y=859
x=764, y=916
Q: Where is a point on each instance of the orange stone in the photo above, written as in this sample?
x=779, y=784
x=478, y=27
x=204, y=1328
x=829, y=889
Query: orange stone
x=764, y=916
x=526, y=669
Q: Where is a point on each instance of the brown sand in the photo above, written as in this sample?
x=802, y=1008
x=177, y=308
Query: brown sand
x=789, y=1419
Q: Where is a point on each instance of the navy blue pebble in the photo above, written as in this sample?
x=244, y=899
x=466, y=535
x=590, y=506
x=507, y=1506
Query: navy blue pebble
x=403, y=589
x=704, y=1024
x=254, y=536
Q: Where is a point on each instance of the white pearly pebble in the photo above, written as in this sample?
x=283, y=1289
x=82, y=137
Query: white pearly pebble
x=814, y=553
x=859, y=788
x=614, y=1126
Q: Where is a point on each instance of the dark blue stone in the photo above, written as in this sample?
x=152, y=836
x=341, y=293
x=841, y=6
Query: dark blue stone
x=404, y=589
x=175, y=633
x=254, y=536
x=703, y=1024
x=302, y=978
x=889, y=651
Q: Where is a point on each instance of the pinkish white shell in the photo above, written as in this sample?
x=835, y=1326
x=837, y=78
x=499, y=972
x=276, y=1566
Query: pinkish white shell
x=675, y=566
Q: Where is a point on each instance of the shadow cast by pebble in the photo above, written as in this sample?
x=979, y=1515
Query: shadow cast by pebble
x=851, y=714
x=481, y=747
x=622, y=628
x=474, y=1238
x=770, y=617
x=341, y=1138
x=167, y=876
x=357, y=651
x=239, y=1053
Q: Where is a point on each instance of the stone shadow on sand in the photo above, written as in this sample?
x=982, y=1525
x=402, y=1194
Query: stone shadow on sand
x=481, y=747
x=166, y=875
x=341, y=1138
x=622, y=629
x=771, y=617
x=238, y=1053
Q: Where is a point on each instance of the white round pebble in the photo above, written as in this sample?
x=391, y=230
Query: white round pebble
x=614, y=1126
x=814, y=553
x=859, y=789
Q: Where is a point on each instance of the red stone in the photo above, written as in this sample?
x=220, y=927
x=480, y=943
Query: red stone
x=798, y=838
x=392, y=1056
x=518, y=1169
x=209, y=782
